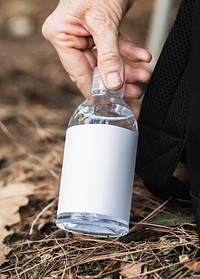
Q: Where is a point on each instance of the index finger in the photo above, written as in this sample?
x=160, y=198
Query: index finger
x=79, y=65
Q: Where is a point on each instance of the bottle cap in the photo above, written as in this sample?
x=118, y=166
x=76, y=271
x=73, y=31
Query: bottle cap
x=97, y=84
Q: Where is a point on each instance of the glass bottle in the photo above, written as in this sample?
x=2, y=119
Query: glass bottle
x=98, y=165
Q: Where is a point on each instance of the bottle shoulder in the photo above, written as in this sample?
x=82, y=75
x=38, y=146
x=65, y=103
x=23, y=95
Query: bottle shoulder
x=101, y=109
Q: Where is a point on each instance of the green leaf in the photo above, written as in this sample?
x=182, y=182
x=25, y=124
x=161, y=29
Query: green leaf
x=169, y=219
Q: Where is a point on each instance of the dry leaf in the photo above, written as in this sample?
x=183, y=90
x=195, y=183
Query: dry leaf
x=183, y=258
x=193, y=266
x=12, y=197
x=131, y=270
x=4, y=251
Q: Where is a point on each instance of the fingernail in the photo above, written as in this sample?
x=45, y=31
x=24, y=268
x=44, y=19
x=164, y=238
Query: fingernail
x=113, y=79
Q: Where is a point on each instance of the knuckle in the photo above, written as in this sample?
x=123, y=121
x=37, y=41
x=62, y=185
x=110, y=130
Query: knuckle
x=70, y=41
x=109, y=58
x=65, y=40
x=56, y=36
x=47, y=30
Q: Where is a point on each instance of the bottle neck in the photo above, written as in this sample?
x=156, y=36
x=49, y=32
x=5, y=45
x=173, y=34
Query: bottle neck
x=98, y=87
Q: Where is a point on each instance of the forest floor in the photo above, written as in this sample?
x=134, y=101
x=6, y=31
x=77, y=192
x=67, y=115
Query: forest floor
x=37, y=100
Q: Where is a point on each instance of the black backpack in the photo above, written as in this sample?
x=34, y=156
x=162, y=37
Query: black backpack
x=169, y=121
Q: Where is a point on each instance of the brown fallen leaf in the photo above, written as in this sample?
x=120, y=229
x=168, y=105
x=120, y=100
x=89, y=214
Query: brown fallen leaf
x=4, y=251
x=131, y=270
x=12, y=197
x=193, y=265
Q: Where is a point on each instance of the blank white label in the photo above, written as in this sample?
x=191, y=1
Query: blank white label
x=98, y=170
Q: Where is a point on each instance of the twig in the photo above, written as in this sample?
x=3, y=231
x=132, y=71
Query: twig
x=150, y=215
x=41, y=213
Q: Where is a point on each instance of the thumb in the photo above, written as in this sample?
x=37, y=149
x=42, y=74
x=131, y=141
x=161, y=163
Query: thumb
x=109, y=60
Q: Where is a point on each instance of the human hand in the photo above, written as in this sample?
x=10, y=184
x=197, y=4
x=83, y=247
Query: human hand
x=75, y=27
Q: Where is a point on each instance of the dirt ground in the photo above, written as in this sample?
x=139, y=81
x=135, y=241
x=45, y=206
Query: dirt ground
x=37, y=99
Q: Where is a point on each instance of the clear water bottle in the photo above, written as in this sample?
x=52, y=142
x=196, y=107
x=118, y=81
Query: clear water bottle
x=98, y=165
